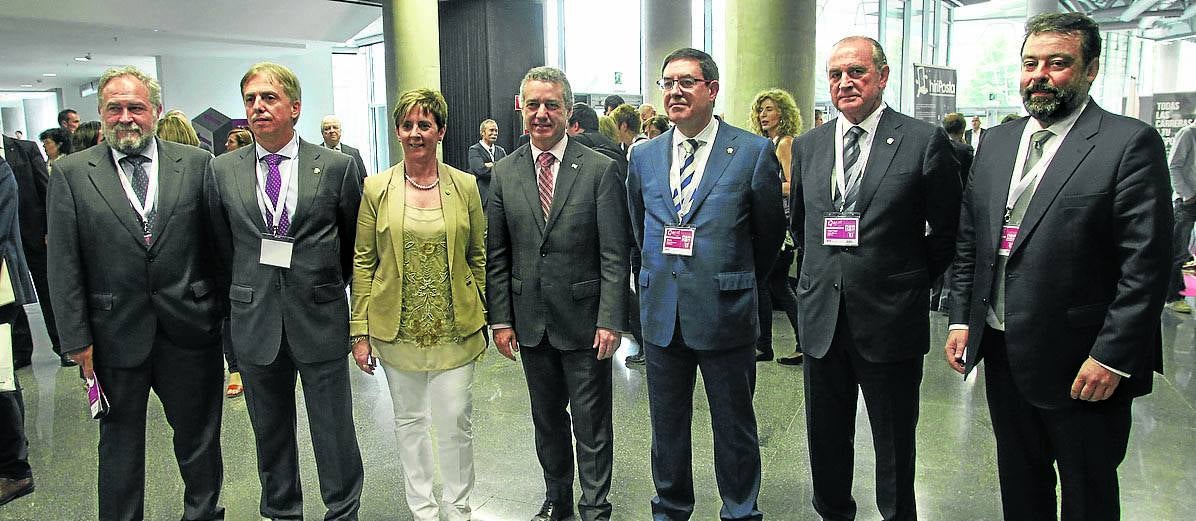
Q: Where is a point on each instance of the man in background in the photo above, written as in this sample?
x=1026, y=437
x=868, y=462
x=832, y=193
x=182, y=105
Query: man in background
x=1183, y=184
x=330, y=128
x=68, y=119
x=483, y=155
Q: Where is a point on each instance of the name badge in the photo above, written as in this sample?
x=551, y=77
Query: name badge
x=679, y=240
x=276, y=250
x=841, y=229
x=1008, y=235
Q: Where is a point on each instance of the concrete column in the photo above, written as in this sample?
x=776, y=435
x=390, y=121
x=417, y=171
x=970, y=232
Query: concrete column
x=411, y=30
x=1037, y=7
x=1166, y=67
x=770, y=43
x=667, y=25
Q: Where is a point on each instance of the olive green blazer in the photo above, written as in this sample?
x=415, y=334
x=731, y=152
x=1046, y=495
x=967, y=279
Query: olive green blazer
x=377, y=287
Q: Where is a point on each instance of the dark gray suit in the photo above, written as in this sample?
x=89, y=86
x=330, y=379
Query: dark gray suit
x=556, y=282
x=32, y=180
x=478, y=157
x=1086, y=276
x=356, y=155
x=152, y=314
x=865, y=309
x=284, y=321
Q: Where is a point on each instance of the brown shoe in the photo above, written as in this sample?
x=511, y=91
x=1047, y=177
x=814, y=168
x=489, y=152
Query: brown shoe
x=11, y=489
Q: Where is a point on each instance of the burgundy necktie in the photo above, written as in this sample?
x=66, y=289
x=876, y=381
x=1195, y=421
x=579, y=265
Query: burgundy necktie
x=544, y=180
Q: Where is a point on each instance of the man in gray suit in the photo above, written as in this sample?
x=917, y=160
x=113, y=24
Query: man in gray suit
x=483, y=155
x=286, y=213
x=557, y=287
x=871, y=181
x=137, y=295
x=330, y=129
x=706, y=210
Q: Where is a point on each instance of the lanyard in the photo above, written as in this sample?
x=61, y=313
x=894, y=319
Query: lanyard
x=274, y=210
x=1031, y=178
x=151, y=194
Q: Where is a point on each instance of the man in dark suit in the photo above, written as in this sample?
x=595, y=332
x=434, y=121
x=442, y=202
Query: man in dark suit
x=557, y=288
x=285, y=211
x=483, y=155
x=871, y=181
x=32, y=179
x=953, y=125
x=972, y=135
x=709, y=222
x=137, y=295
x=68, y=120
x=1059, y=279
x=16, y=476
x=330, y=129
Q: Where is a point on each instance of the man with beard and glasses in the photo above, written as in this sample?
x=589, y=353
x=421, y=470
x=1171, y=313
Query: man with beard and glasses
x=1059, y=279
x=135, y=294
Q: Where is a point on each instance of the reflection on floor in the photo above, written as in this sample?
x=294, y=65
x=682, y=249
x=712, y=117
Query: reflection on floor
x=956, y=469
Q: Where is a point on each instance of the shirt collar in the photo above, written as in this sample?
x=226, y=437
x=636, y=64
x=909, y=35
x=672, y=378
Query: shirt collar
x=705, y=136
x=150, y=151
x=557, y=150
x=289, y=150
x=869, y=123
x=1062, y=126
x=336, y=148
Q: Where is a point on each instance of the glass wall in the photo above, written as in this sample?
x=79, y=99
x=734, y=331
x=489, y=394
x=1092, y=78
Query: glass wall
x=596, y=43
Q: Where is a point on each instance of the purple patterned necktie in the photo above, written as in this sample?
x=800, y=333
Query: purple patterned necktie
x=273, y=187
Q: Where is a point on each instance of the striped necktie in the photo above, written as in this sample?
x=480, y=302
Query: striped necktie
x=851, y=174
x=685, y=191
x=544, y=181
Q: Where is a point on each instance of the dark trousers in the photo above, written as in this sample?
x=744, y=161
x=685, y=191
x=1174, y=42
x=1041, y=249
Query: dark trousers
x=729, y=376
x=188, y=383
x=776, y=293
x=1086, y=441
x=14, y=448
x=832, y=385
x=270, y=399
x=226, y=338
x=22, y=337
x=557, y=378
x=1185, y=218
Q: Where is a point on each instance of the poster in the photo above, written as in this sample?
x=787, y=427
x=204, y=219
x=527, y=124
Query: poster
x=1172, y=111
x=934, y=94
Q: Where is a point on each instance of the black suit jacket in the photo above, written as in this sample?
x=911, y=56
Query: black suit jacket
x=111, y=290
x=566, y=277
x=967, y=135
x=356, y=155
x=963, y=153
x=1088, y=272
x=309, y=297
x=33, y=178
x=911, y=180
x=478, y=157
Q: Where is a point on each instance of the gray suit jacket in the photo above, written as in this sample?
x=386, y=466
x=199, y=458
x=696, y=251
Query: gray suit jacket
x=911, y=180
x=566, y=277
x=356, y=155
x=32, y=180
x=10, y=239
x=478, y=157
x=111, y=290
x=308, y=299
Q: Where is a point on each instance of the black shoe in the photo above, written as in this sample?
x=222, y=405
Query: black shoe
x=636, y=359
x=11, y=489
x=763, y=357
x=18, y=364
x=791, y=360
x=553, y=511
x=66, y=361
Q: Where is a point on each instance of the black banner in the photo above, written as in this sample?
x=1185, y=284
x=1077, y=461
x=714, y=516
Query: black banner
x=934, y=94
x=1172, y=111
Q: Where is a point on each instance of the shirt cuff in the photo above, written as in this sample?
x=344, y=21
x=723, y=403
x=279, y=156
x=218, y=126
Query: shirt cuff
x=500, y=326
x=957, y=327
x=1115, y=371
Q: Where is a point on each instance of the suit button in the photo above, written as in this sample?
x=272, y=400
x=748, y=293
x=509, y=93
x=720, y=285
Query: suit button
x=992, y=265
x=836, y=285
x=674, y=274
x=155, y=292
x=984, y=300
x=542, y=254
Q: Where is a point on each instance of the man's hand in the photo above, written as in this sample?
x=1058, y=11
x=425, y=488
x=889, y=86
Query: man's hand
x=1094, y=383
x=361, y=354
x=84, y=359
x=488, y=165
x=505, y=340
x=957, y=341
x=606, y=341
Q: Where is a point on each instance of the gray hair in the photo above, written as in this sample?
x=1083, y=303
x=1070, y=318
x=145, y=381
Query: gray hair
x=155, y=90
x=550, y=75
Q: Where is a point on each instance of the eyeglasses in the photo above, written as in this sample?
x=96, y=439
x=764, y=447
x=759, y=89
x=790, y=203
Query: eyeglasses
x=685, y=83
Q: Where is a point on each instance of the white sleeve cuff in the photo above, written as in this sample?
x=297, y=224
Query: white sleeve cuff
x=1115, y=371
x=957, y=327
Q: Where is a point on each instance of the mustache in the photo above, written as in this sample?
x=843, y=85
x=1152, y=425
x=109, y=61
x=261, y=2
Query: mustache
x=129, y=127
x=1043, y=88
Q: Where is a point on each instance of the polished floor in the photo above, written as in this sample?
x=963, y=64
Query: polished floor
x=956, y=469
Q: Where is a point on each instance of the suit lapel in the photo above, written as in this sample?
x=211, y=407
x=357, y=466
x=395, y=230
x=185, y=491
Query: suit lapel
x=103, y=176
x=721, y=152
x=396, y=202
x=526, y=182
x=663, y=159
x=309, y=173
x=246, y=179
x=821, y=175
x=1071, y=152
x=170, y=183
x=449, y=206
x=566, y=176
x=1000, y=179
x=885, y=144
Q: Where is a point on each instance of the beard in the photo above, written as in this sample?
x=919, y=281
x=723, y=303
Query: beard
x=1064, y=100
x=129, y=144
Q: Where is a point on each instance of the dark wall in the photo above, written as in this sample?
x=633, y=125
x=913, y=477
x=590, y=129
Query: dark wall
x=486, y=46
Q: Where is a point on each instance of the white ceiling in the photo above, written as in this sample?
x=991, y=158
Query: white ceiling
x=44, y=36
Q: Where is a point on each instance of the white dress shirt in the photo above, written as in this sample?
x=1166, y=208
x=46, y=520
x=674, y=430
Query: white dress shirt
x=151, y=168
x=869, y=125
x=706, y=138
x=557, y=151
x=288, y=168
x=490, y=150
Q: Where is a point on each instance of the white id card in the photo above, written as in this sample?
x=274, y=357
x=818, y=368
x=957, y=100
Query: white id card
x=276, y=250
x=679, y=240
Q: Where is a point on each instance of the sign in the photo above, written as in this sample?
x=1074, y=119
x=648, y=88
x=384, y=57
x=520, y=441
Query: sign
x=934, y=93
x=518, y=103
x=1172, y=111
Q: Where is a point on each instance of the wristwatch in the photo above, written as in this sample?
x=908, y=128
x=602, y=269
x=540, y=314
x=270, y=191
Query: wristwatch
x=354, y=339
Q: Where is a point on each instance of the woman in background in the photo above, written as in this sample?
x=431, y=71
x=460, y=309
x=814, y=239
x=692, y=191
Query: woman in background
x=776, y=117
x=237, y=138
x=57, y=143
x=174, y=127
x=656, y=126
x=86, y=136
x=419, y=275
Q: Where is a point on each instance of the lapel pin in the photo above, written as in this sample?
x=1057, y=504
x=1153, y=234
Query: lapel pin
x=889, y=141
x=316, y=170
x=574, y=165
x=730, y=150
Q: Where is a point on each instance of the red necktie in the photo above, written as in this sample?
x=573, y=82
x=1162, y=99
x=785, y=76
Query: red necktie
x=544, y=180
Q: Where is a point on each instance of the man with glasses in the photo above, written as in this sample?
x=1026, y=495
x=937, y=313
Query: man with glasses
x=709, y=223
x=871, y=181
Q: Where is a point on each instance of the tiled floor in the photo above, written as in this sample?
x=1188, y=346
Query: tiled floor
x=956, y=455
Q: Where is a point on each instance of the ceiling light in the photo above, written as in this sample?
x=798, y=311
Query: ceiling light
x=49, y=75
x=84, y=58
x=27, y=85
